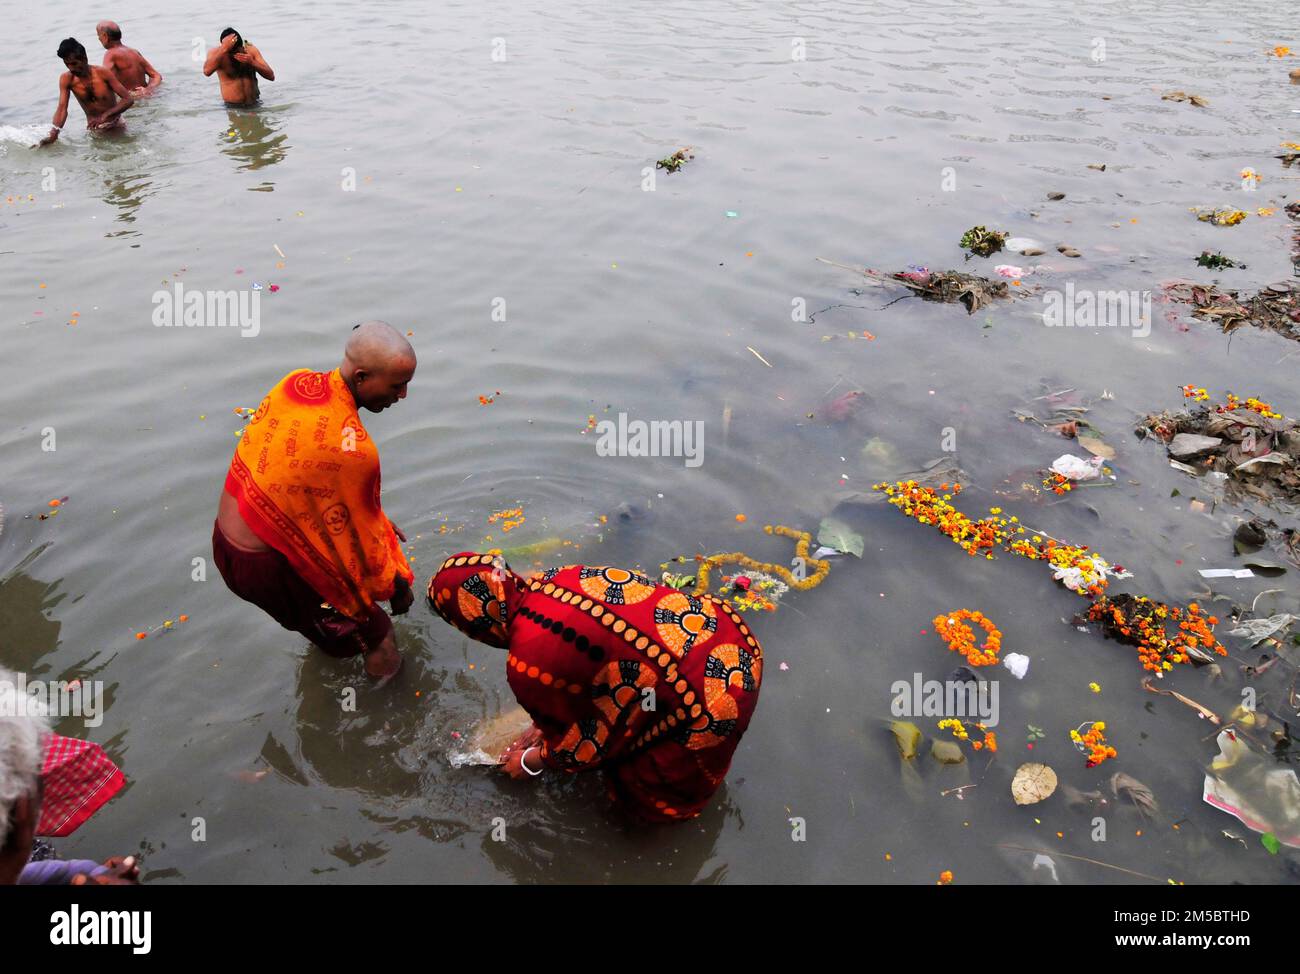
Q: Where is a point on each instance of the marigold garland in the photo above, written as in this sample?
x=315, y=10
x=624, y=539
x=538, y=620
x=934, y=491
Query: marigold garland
x=1140, y=621
x=1093, y=743
x=1135, y=620
x=959, y=731
x=961, y=638
x=1233, y=403
x=1058, y=484
x=1070, y=563
x=802, y=539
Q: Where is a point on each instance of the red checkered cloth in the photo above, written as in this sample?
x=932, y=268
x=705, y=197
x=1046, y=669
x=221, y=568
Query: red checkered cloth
x=78, y=777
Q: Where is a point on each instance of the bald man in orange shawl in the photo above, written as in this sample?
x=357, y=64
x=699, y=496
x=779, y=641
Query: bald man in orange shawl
x=300, y=531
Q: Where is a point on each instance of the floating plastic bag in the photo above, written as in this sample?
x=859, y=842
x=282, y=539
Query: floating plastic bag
x=1252, y=789
x=1077, y=468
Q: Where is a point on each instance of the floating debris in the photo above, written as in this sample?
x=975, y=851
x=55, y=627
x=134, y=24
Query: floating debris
x=1217, y=261
x=1248, y=785
x=1082, y=571
x=675, y=161
x=845, y=406
x=983, y=242
x=950, y=287
x=509, y=519
x=1138, y=621
x=1222, y=217
x=1275, y=308
x=1196, y=100
x=1253, y=447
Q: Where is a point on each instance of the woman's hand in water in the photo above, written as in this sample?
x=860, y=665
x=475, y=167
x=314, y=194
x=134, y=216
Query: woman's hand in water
x=49, y=139
x=513, y=764
x=528, y=743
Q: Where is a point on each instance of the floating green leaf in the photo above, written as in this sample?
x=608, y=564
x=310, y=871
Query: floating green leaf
x=834, y=533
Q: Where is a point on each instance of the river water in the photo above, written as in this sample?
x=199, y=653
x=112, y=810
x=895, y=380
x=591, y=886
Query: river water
x=433, y=164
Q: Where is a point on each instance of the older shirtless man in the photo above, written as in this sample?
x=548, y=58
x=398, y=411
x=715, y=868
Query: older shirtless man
x=300, y=531
x=128, y=65
x=101, y=95
x=237, y=65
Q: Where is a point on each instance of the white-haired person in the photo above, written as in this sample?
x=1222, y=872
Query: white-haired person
x=24, y=735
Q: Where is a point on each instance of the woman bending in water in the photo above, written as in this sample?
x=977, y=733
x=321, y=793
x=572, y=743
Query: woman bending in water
x=649, y=684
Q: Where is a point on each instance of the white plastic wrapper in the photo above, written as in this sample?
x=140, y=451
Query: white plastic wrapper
x=1077, y=468
x=1017, y=663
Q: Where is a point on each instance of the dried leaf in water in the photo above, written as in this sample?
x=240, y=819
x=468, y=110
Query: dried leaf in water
x=907, y=736
x=947, y=752
x=1032, y=783
x=1275, y=457
x=1095, y=446
x=1126, y=786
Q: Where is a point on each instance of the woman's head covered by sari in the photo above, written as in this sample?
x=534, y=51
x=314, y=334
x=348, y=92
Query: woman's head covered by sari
x=478, y=594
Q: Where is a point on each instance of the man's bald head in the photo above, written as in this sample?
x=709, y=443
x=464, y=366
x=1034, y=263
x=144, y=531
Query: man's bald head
x=378, y=362
x=109, y=32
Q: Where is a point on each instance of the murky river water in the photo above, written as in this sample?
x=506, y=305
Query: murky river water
x=521, y=179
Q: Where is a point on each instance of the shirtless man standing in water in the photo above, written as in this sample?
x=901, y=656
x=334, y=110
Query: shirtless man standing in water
x=101, y=95
x=127, y=64
x=237, y=66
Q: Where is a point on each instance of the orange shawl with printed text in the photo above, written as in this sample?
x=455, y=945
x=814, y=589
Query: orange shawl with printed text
x=306, y=476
